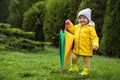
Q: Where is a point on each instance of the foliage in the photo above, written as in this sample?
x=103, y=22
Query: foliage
x=4, y=10
x=25, y=44
x=56, y=14
x=8, y=30
x=17, y=39
x=45, y=65
x=110, y=44
x=16, y=10
x=33, y=20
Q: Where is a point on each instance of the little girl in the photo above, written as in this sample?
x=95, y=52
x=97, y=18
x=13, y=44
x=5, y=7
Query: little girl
x=86, y=40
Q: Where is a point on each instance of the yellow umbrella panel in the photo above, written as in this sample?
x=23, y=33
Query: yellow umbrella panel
x=68, y=46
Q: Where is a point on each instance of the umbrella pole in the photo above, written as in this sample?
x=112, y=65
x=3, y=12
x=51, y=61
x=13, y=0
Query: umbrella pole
x=62, y=71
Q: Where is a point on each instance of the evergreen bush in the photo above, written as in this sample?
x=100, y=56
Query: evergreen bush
x=110, y=44
x=17, y=39
x=33, y=20
x=16, y=11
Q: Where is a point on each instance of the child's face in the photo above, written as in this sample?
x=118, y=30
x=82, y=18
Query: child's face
x=82, y=20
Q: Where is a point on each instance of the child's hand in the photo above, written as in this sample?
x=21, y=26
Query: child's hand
x=95, y=48
x=67, y=22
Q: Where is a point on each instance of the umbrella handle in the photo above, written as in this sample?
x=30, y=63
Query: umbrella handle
x=67, y=22
x=66, y=27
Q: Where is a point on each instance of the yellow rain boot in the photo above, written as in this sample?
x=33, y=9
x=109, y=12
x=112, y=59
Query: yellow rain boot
x=73, y=67
x=84, y=72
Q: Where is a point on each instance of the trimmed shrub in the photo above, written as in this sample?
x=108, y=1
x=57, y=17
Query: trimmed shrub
x=8, y=30
x=17, y=39
x=110, y=44
x=16, y=10
x=33, y=20
x=4, y=10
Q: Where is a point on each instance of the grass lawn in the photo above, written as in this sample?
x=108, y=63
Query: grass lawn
x=45, y=65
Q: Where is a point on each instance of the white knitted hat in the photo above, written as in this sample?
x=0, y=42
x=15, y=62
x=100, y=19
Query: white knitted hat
x=86, y=12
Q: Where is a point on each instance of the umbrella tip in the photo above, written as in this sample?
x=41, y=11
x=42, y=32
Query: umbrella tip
x=62, y=71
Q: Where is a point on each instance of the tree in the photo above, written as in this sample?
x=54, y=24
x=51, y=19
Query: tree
x=110, y=44
x=33, y=20
x=57, y=11
x=4, y=10
x=16, y=10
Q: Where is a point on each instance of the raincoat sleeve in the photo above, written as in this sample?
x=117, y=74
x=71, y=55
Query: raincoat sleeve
x=94, y=37
x=71, y=28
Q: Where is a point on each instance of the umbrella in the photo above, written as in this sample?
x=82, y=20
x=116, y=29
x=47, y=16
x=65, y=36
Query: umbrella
x=65, y=45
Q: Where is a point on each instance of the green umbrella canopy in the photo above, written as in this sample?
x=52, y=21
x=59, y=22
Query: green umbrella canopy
x=62, y=36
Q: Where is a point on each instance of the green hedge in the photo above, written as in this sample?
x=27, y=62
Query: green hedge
x=26, y=44
x=17, y=39
x=4, y=10
x=16, y=11
x=110, y=44
x=33, y=20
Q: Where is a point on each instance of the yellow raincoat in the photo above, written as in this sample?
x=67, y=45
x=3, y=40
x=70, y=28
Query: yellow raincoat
x=85, y=38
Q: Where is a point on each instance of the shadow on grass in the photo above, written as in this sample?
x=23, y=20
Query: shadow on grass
x=28, y=74
x=67, y=75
